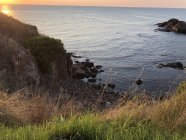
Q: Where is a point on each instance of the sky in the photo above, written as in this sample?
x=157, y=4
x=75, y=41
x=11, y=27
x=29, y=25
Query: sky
x=117, y=3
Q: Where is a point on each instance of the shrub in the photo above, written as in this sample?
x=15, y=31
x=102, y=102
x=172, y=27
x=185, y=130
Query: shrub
x=45, y=50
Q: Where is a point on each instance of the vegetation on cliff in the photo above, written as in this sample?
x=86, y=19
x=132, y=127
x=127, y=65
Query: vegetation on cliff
x=46, y=50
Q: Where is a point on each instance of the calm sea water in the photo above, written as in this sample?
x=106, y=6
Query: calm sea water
x=123, y=40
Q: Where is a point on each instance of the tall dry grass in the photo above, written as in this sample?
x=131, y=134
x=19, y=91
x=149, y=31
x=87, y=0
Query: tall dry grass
x=32, y=107
x=169, y=113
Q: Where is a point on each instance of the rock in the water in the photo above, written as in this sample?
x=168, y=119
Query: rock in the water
x=139, y=82
x=92, y=80
x=75, y=56
x=163, y=29
x=101, y=71
x=175, y=65
x=99, y=67
x=76, y=62
x=88, y=64
x=112, y=86
x=173, y=25
x=79, y=71
x=180, y=27
x=160, y=65
x=85, y=69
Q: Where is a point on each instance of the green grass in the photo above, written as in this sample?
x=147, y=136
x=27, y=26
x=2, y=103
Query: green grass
x=46, y=50
x=88, y=127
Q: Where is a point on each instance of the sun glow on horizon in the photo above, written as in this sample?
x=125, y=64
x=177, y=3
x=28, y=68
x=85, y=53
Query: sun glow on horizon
x=6, y=10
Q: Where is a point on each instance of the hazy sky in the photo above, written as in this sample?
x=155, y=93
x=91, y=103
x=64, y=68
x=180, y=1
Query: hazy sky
x=135, y=3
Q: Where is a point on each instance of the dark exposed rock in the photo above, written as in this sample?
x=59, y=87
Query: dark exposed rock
x=160, y=65
x=88, y=64
x=101, y=71
x=92, y=80
x=75, y=56
x=98, y=67
x=83, y=70
x=163, y=24
x=79, y=76
x=163, y=30
x=112, y=86
x=76, y=62
x=94, y=70
x=180, y=27
x=99, y=79
x=175, y=65
x=139, y=82
x=173, y=25
x=78, y=71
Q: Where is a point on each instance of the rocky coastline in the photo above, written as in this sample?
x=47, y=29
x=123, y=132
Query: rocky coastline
x=31, y=60
x=34, y=61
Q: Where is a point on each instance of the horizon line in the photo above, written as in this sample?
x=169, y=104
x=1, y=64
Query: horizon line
x=60, y=5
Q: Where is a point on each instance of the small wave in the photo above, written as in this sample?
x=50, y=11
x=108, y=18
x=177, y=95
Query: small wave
x=147, y=36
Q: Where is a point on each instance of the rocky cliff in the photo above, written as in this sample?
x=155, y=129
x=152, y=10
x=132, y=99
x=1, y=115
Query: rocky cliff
x=26, y=57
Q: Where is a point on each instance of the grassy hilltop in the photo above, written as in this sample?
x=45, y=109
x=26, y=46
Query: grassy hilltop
x=27, y=114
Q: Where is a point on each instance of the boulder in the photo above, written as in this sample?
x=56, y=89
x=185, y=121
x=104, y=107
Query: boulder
x=173, y=25
x=79, y=71
x=180, y=27
x=168, y=24
x=85, y=69
x=163, y=29
x=175, y=65
x=139, y=82
x=92, y=80
x=88, y=64
x=172, y=22
x=75, y=56
x=98, y=67
x=112, y=86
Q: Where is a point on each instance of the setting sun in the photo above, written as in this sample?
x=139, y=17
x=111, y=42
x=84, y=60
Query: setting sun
x=6, y=10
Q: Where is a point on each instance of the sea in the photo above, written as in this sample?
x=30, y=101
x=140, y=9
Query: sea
x=122, y=40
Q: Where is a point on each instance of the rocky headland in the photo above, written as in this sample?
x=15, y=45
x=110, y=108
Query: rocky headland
x=31, y=60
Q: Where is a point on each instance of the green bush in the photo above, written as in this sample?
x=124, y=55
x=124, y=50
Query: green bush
x=45, y=50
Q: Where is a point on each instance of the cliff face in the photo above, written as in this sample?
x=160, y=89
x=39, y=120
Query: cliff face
x=26, y=57
x=17, y=66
